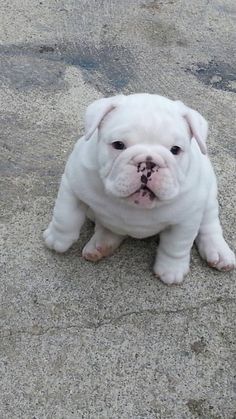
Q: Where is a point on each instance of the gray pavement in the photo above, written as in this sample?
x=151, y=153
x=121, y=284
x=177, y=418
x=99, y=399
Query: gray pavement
x=108, y=340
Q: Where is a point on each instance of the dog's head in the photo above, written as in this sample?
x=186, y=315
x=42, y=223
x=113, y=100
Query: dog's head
x=143, y=145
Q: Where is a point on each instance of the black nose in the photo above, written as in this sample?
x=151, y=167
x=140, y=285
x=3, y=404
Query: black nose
x=146, y=167
x=144, y=179
x=150, y=165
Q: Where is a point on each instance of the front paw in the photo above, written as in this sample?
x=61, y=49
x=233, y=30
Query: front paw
x=57, y=240
x=102, y=244
x=171, y=270
x=217, y=253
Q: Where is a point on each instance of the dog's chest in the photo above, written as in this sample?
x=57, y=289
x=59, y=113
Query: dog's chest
x=126, y=220
x=123, y=218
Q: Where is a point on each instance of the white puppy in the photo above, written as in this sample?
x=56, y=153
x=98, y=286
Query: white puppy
x=141, y=169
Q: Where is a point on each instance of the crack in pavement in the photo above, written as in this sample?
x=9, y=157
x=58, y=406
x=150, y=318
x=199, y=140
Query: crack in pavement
x=38, y=330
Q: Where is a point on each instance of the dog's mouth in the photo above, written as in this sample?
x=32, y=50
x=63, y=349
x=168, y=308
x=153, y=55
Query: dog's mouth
x=143, y=197
x=144, y=191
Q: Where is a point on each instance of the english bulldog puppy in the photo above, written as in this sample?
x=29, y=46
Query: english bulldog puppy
x=142, y=169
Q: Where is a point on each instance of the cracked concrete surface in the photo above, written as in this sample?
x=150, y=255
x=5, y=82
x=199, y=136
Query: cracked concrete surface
x=108, y=340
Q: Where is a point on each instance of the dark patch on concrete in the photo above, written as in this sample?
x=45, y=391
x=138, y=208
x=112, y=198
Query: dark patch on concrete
x=202, y=409
x=196, y=406
x=108, y=67
x=153, y=6
x=156, y=5
x=162, y=34
x=182, y=42
x=199, y=346
x=26, y=72
x=221, y=76
x=35, y=299
x=226, y=9
x=46, y=48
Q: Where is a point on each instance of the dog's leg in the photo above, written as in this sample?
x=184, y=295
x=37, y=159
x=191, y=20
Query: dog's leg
x=68, y=218
x=173, y=253
x=103, y=243
x=210, y=241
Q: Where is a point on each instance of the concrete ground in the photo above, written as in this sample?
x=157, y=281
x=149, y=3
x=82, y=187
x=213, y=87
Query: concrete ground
x=109, y=340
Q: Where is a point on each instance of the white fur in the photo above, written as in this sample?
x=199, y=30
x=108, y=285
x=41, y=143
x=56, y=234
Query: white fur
x=103, y=183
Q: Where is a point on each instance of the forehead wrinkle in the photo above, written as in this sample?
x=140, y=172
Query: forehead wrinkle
x=152, y=126
x=156, y=129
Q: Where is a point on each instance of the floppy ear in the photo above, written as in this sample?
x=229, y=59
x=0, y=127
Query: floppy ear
x=197, y=124
x=97, y=111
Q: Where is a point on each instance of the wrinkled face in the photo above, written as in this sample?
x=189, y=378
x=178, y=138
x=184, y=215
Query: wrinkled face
x=143, y=154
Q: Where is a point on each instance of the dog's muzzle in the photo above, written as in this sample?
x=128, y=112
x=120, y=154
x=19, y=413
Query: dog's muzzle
x=144, y=194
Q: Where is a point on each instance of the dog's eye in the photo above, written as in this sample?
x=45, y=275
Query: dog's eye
x=175, y=150
x=118, y=145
